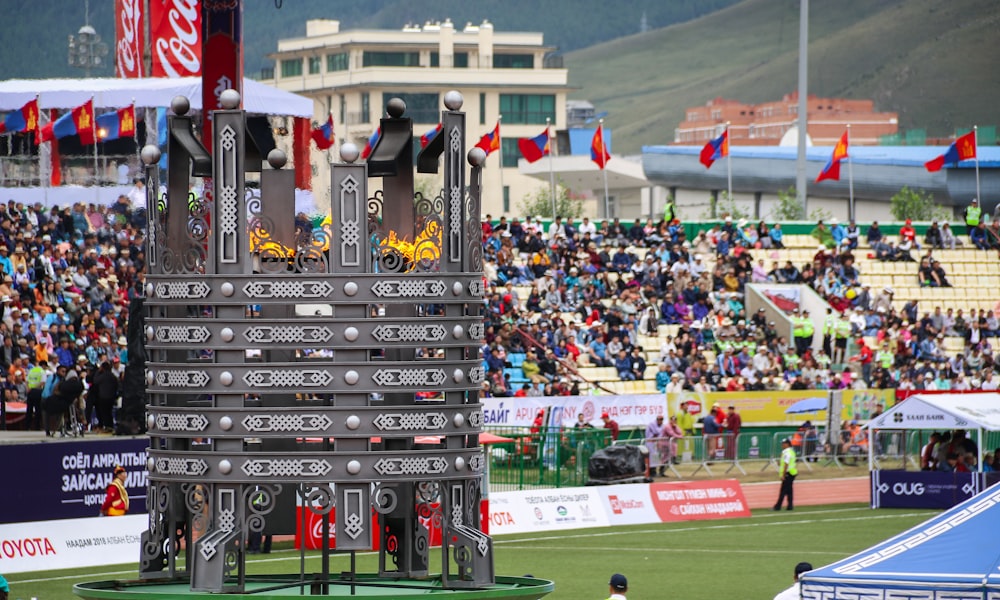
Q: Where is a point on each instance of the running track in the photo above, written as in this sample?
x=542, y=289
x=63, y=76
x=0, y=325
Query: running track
x=810, y=492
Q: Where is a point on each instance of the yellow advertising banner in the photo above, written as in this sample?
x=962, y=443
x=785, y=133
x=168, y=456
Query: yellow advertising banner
x=772, y=406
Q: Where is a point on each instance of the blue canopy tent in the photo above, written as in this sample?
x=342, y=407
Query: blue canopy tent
x=954, y=555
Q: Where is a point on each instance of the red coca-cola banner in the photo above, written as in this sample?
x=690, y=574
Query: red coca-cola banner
x=175, y=28
x=129, y=39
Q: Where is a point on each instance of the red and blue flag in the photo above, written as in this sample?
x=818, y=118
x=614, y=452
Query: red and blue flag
x=80, y=121
x=598, y=150
x=715, y=149
x=536, y=147
x=323, y=135
x=490, y=141
x=21, y=120
x=116, y=124
x=963, y=148
x=430, y=135
x=370, y=144
x=832, y=168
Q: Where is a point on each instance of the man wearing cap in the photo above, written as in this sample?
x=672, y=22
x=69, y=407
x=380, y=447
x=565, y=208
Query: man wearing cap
x=795, y=592
x=617, y=587
x=788, y=471
x=611, y=425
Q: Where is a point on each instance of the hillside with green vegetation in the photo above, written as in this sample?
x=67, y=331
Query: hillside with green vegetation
x=932, y=62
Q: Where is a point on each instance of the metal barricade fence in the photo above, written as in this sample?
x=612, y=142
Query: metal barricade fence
x=549, y=458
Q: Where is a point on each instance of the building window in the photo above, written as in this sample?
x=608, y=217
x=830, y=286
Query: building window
x=435, y=59
x=461, y=60
x=337, y=62
x=291, y=67
x=390, y=59
x=513, y=61
x=365, y=107
x=506, y=198
x=343, y=108
x=422, y=108
x=527, y=109
x=510, y=152
x=482, y=108
x=315, y=64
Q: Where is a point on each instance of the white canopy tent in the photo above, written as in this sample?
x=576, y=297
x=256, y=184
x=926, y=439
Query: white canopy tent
x=976, y=412
x=258, y=98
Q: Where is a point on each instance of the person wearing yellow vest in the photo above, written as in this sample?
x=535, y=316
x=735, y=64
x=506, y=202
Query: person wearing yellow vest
x=841, y=331
x=116, y=500
x=788, y=472
x=829, y=324
x=803, y=332
x=973, y=214
x=36, y=383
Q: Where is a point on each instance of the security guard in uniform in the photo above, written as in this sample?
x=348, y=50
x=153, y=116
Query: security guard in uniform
x=788, y=471
x=973, y=214
x=829, y=323
x=617, y=587
x=842, y=331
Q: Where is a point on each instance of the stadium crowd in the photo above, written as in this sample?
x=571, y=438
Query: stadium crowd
x=69, y=275
x=594, y=289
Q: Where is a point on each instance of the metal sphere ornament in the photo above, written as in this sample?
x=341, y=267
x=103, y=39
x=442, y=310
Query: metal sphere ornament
x=395, y=107
x=349, y=152
x=150, y=155
x=477, y=157
x=453, y=100
x=180, y=105
x=277, y=158
x=229, y=99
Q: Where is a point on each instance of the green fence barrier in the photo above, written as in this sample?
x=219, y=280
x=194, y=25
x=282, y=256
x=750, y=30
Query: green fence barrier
x=553, y=457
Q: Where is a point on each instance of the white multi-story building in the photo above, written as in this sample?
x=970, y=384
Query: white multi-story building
x=352, y=74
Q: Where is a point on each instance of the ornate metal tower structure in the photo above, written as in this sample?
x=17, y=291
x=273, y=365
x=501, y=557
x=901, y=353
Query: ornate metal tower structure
x=334, y=369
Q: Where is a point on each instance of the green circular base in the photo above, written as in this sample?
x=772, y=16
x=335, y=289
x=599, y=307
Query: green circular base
x=264, y=587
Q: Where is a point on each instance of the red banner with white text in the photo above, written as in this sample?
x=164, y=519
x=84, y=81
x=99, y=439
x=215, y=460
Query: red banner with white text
x=696, y=500
x=130, y=39
x=175, y=31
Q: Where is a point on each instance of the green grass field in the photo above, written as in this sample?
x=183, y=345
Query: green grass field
x=727, y=559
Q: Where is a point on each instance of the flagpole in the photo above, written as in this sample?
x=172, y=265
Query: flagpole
x=552, y=173
x=604, y=170
x=93, y=130
x=850, y=175
x=500, y=146
x=975, y=139
x=729, y=163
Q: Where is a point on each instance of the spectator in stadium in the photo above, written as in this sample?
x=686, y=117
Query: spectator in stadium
x=908, y=235
x=777, y=236
x=948, y=238
x=611, y=425
x=794, y=592
x=874, y=235
x=977, y=235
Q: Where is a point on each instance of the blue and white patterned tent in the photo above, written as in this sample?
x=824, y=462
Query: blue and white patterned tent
x=954, y=556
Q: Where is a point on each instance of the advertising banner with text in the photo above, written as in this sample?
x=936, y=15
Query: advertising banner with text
x=527, y=511
x=91, y=542
x=923, y=489
x=68, y=480
x=130, y=39
x=697, y=500
x=632, y=410
x=175, y=29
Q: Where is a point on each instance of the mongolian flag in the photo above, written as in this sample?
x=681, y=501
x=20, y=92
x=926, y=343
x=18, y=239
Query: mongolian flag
x=534, y=148
x=598, y=150
x=715, y=149
x=117, y=124
x=964, y=148
x=21, y=120
x=832, y=168
x=370, y=144
x=79, y=121
x=430, y=135
x=490, y=141
x=323, y=135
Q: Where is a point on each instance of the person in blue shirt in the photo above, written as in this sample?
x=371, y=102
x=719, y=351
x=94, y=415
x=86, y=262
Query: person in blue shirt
x=776, y=236
x=838, y=232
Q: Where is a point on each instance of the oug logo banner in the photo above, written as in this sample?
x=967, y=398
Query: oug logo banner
x=922, y=489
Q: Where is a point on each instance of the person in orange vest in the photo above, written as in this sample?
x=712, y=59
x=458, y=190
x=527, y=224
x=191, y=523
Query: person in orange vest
x=116, y=500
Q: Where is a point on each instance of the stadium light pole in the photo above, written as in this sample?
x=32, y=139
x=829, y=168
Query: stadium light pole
x=800, y=163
